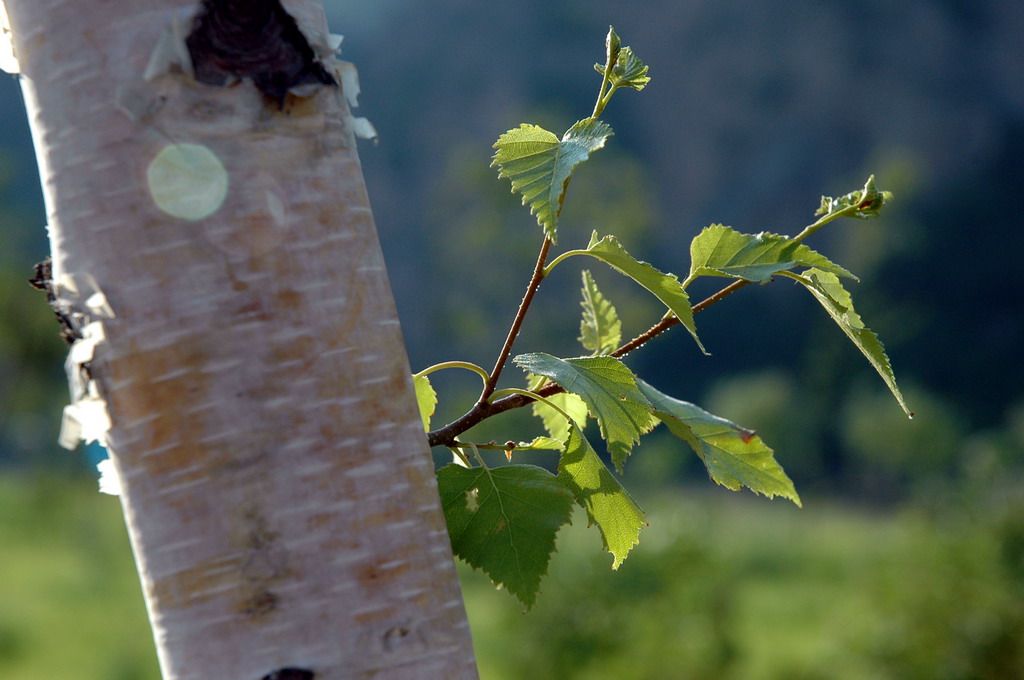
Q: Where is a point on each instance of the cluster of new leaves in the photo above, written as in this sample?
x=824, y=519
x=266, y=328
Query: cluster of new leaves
x=503, y=519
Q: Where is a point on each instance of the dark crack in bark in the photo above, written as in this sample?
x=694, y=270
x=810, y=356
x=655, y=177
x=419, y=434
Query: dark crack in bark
x=290, y=674
x=255, y=39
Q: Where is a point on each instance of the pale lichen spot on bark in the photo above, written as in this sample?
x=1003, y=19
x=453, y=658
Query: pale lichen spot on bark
x=187, y=181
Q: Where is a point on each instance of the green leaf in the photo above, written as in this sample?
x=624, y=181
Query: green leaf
x=539, y=165
x=627, y=69
x=733, y=456
x=721, y=251
x=600, y=328
x=504, y=520
x=665, y=287
x=426, y=399
x=607, y=503
x=612, y=45
x=829, y=291
x=554, y=421
x=610, y=392
x=540, y=444
x=865, y=203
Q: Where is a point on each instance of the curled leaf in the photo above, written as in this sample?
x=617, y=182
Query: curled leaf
x=865, y=203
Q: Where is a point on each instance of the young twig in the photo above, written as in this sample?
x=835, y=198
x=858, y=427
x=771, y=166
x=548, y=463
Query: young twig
x=669, y=320
x=484, y=409
x=517, y=323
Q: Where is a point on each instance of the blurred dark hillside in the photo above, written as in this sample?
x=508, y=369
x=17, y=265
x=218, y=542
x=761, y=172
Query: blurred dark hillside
x=753, y=112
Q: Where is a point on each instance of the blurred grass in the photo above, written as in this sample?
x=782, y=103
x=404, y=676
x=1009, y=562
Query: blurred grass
x=735, y=587
x=722, y=586
x=70, y=601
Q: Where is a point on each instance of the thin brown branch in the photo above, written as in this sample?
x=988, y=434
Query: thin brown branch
x=670, y=321
x=483, y=409
x=724, y=293
x=517, y=323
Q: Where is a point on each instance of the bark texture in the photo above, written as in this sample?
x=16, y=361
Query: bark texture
x=220, y=254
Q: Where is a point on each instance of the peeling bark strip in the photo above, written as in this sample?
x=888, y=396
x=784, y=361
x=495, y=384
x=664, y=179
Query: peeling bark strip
x=256, y=39
x=42, y=279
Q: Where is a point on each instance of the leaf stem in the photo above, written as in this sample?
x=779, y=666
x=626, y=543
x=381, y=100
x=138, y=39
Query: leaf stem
x=670, y=320
x=720, y=295
x=564, y=256
x=602, y=101
x=491, y=446
x=454, y=364
x=459, y=455
x=476, y=454
x=533, y=396
x=825, y=219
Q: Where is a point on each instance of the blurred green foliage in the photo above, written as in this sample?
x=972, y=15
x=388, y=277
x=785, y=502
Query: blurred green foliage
x=32, y=382
x=70, y=601
x=729, y=588
x=725, y=587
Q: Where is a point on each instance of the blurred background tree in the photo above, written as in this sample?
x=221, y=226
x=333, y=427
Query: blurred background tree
x=906, y=561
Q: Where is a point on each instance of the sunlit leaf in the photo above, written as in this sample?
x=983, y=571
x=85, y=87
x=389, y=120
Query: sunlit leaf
x=426, y=399
x=537, y=444
x=540, y=444
x=539, y=165
x=665, y=287
x=503, y=521
x=600, y=328
x=829, y=291
x=721, y=251
x=629, y=71
x=596, y=489
x=610, y=392
x=733, y=456
x=554, y=421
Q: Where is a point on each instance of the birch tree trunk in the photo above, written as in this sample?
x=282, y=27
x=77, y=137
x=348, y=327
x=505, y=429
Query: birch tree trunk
x=238, y=351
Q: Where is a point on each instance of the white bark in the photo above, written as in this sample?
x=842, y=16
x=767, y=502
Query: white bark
x=276, y=482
